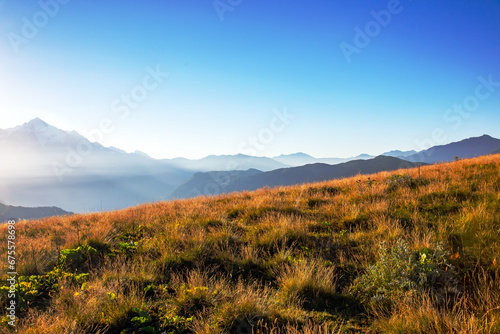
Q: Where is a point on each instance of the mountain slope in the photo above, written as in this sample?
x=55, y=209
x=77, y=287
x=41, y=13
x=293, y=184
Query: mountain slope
x=467, y=148
x=298, y=175
x=8, y=212
x=496, y=151
x=318, y=173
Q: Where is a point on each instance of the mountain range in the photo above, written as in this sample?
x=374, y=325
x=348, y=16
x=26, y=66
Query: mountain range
x=399, y=154
x=467, y=148
x=8, y=212
x=48, y=166
x=301, y=159
x=223, y=182
x=226, y=163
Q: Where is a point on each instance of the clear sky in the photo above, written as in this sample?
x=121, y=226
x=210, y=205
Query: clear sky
x=357, y=76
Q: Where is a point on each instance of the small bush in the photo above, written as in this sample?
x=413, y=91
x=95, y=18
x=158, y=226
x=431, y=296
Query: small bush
x=400, y=271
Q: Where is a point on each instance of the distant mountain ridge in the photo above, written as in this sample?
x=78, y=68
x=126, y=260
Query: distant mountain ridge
x=467, y=148
x=399, y=154
x=227, y=163
x=301, y=159
x=8, y=212
x=289, y=176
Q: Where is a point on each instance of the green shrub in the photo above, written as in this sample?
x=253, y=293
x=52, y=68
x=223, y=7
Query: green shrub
x=74, y=258
x=127, y=247
x=140, y=323
x=36, y=290
x=401, y=271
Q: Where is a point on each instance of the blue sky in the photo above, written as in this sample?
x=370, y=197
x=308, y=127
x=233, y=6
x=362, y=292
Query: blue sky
x=231, y=69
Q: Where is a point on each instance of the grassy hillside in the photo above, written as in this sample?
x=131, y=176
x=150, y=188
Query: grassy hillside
x=411, y=251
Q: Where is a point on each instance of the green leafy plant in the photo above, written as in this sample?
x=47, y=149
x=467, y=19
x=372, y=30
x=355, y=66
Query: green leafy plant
x=37, y=289
x=127, y=247
x=177, y=324
x=141, y=323
x=74, y=258
x=400, y=271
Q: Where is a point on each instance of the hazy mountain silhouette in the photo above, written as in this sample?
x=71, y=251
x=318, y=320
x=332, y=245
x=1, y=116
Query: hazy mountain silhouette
x=8, y=212
x=467, y=148
x=296, y=159
x=289, y=176
x=226, y=163
x=301, y=159
x=399, y=154
x=49, y=166
x=496, y=151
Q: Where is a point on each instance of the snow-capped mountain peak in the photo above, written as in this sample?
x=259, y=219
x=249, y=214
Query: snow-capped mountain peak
x=40, y=132
x=37, y=123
